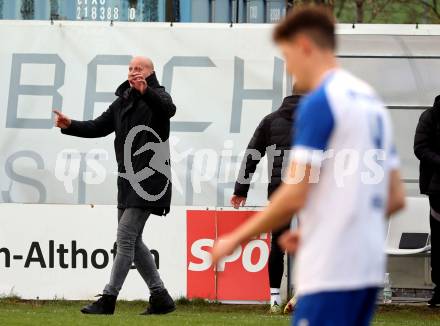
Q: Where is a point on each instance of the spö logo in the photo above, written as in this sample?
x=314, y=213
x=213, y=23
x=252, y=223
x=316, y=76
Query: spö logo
x=235, y=276
x=243, y=253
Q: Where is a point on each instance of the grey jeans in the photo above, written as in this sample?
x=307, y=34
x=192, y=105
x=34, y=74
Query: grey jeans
x=131, y=249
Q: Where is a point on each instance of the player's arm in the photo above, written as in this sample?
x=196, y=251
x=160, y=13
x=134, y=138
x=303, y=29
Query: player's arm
x=396, y=193
x=287, y=200
x=255, y=150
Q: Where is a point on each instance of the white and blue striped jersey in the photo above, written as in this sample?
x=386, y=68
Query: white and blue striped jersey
x=344, y=132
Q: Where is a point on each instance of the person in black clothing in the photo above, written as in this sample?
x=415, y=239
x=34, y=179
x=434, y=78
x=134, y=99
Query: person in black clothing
x=272, y=137
x=427, y=150
x=140, y=118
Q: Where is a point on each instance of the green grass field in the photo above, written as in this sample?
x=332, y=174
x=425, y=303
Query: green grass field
x=20, y=312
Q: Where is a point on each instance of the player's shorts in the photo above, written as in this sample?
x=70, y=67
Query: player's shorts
x=336, y=308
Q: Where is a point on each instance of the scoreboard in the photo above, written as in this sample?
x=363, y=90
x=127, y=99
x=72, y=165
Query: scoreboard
x=198, y=11
x=100, y=10
x=122, y=10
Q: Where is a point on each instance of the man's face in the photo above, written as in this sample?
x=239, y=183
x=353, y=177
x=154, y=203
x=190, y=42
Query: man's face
x=137, y=67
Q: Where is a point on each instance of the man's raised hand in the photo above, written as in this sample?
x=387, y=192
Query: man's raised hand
x=138, y=82
x=61, y=120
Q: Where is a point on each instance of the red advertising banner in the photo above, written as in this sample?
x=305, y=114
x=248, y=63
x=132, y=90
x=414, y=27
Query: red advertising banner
x=242, y=276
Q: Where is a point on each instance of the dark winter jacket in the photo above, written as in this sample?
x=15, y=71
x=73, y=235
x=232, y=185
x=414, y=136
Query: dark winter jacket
x=274, y=130
x=427, y=149
x=152, y=190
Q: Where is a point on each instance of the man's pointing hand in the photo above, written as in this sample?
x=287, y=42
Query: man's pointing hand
x=61, y=120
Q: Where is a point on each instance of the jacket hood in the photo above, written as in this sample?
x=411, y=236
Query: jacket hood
x=124, y=89
x=289, y=105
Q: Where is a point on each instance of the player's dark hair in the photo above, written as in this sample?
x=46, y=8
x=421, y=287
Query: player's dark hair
x=317, y=22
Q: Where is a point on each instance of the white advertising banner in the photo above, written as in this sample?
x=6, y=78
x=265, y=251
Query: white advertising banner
x=221, y=84
x=66, y=251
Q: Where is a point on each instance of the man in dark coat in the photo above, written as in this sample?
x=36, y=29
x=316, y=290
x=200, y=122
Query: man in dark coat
x=140, y=119
x=272, y=136
x=427, y=150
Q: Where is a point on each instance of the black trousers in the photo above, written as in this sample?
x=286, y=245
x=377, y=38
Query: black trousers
x=276, y=259
x=434, y=202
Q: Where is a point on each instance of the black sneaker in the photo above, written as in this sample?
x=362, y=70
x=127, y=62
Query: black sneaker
x=105, y=305
x=160, y=303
